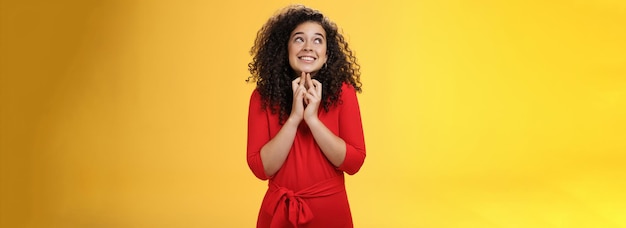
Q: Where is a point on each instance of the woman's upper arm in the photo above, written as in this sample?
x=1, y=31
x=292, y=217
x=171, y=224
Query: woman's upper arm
x=258, y=135
x=351, y=131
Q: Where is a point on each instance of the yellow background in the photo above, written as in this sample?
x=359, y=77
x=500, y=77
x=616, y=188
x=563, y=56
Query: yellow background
x=476, y=113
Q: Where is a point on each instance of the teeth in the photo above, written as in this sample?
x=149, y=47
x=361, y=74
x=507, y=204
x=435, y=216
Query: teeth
x=307, y=58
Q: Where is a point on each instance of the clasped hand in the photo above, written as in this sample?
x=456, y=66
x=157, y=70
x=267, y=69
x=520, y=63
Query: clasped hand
x=307, y=95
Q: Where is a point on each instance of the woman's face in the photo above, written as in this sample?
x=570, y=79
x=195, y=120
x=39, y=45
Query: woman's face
x=307, y=48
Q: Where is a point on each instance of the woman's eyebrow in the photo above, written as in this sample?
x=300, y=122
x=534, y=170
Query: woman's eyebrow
x=317, y=33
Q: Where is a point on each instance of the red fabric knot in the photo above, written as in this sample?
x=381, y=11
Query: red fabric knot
x=290, y=194
x=290, y=206
x=297, y=210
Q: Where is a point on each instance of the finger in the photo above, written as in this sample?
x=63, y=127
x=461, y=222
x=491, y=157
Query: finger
x=297, y=94
x=302, y=78
x=294, y=84
x=308, y=80
x=301, y=99
x=310, y=97
x=318, y=87
x=303, y=94
x=302, y=90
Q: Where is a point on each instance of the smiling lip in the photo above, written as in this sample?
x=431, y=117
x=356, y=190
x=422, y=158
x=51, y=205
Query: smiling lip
x=307, y=58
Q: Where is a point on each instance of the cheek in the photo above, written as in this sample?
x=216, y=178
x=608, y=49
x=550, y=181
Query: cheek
x=292, y=49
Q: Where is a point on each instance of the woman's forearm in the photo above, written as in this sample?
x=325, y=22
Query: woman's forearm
x=275, y=151
x=333, y=147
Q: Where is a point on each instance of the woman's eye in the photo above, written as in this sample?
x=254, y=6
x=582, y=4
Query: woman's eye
x=318, y=41
x=299, y=39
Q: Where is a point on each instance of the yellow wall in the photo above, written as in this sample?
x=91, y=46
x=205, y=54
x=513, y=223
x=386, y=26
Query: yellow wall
x=476, y=113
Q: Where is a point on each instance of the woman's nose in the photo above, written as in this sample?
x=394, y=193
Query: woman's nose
x=307, y=47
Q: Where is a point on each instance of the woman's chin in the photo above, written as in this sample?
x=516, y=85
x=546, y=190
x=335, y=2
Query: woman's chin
x=311, y=71
x=308, y=69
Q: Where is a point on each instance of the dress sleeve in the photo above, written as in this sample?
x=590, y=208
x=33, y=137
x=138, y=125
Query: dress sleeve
x=351, y=131
x=258, y=135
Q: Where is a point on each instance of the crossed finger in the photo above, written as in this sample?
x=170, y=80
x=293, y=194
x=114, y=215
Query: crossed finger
x=295, y=84
x=317, y=85
x=303, y=79
x=309, y=82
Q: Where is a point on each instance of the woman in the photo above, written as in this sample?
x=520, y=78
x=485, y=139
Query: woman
x=304, y=123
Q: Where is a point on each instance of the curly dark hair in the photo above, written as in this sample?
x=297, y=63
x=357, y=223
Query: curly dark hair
x=270, y=64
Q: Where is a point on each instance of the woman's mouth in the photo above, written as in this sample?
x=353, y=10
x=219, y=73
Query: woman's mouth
x=307, y=58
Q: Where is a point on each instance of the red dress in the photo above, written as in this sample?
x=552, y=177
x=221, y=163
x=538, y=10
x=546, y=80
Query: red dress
x=308, y=190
